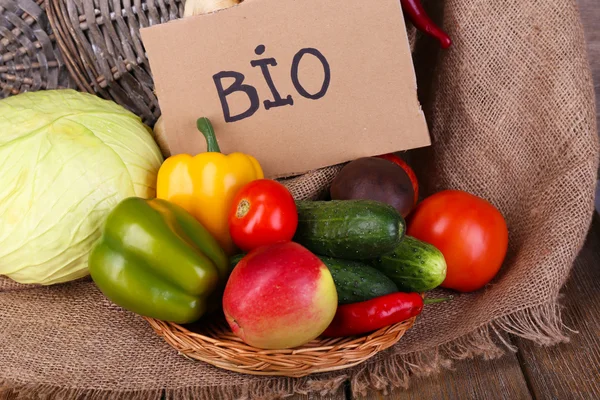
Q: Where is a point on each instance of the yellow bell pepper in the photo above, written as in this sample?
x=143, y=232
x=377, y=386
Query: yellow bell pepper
x=205, y=184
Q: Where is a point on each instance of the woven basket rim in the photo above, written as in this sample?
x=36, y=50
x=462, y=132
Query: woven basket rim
x=101, y=46
x=218, y=346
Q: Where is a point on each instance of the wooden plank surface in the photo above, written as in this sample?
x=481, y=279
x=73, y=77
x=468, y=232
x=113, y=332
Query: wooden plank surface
x=501, y=379
x=571, y=370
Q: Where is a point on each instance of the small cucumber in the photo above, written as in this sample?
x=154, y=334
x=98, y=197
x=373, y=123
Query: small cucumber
x=356, y=281
x=414, y=266
x=349, y=229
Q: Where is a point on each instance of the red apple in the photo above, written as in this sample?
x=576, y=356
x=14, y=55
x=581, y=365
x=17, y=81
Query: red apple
x=279, y=296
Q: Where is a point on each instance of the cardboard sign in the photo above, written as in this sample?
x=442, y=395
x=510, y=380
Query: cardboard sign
x=299, y=84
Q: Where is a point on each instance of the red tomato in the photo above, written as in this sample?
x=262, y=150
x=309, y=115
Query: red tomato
x=263, y=212
x=469, y=231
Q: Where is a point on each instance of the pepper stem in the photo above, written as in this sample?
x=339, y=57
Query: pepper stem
x=438, y=300
x=204, y=126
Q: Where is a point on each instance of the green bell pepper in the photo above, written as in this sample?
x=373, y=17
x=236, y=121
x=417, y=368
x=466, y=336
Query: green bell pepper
x=158, y=261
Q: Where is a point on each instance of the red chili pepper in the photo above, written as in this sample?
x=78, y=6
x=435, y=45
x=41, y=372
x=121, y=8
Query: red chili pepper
x=411, y=174
x=370, y=315
x=421, y=20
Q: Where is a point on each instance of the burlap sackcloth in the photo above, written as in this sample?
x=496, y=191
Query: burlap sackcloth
x=511, y=112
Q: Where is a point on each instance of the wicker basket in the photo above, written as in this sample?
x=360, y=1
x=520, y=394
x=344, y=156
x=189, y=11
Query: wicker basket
x=102, y=47
x=29, y=57
x=217, y=345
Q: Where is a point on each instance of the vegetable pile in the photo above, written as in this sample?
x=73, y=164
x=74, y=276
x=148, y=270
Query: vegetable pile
x=222, y=238
x=217, y=237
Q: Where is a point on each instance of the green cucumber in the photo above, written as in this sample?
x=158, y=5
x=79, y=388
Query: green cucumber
x=349, y=229
x=414, y=266
x=356, y=281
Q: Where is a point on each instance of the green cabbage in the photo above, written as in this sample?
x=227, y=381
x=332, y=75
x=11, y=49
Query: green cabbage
x=66, y=159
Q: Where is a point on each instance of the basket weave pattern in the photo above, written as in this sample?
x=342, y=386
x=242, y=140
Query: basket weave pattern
x=29, y=57
x=218, y=346
x=102, y=47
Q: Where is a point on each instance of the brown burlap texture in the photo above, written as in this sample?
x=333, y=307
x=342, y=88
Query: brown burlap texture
x=510, y=107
